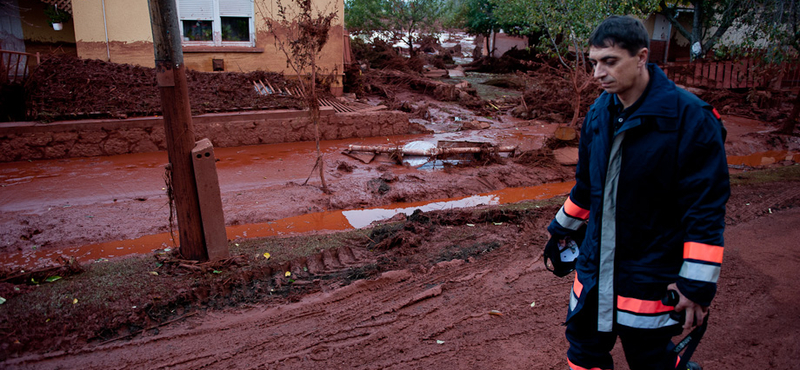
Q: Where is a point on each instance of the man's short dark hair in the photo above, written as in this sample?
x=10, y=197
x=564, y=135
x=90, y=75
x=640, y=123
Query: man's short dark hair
x=624, y=31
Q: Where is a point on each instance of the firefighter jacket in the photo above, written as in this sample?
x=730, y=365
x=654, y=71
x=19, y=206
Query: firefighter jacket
x=652, y=193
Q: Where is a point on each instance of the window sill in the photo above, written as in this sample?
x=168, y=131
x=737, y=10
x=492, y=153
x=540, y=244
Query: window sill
x=222, y=49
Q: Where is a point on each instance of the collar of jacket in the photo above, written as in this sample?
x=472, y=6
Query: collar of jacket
x=661, y=100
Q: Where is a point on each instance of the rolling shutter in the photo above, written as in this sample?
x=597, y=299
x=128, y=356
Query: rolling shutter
x=196, y=9
x=238, y=8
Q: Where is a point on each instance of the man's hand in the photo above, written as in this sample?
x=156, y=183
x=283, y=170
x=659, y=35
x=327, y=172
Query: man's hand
x=695, y=313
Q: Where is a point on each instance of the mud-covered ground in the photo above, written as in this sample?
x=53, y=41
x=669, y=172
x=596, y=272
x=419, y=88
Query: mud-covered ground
x=448, y=289
x=457, y=289
x=454, y=289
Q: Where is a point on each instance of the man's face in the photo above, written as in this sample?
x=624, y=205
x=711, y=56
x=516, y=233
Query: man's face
x=615, y=69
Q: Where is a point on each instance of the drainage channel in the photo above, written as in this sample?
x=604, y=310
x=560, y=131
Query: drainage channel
x=320, y=221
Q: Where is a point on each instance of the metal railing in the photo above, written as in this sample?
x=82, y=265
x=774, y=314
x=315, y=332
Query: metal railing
x=15, y=66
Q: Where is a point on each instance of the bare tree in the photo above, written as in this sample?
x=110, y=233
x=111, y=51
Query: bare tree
x=301, y=32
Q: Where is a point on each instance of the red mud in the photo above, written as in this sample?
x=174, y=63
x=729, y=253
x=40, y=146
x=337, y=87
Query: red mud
x=58, y=204
x=457, y=289
x=496, y=308
x=65, y=87
x=451, y=289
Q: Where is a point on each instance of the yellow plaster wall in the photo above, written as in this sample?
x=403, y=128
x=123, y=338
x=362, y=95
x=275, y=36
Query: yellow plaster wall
x=130, y=39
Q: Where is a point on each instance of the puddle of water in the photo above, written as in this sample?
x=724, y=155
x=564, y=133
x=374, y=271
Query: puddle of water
x=763, y=158
x=438, y=164
x=320, y=221
x=25, y=174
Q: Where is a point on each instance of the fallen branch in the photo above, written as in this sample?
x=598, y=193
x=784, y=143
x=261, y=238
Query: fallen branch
x=30, y=273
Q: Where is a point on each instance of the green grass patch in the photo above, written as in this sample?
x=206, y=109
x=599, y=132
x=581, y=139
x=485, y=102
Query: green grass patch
x=778, y=174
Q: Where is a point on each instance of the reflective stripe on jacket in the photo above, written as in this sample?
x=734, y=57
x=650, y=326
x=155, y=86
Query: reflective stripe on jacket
x=653, y=193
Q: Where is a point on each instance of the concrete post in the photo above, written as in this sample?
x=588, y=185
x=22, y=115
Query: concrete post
x=213, y=218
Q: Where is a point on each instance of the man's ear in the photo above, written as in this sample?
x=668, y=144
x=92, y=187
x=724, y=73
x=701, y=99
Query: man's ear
x=643, y=55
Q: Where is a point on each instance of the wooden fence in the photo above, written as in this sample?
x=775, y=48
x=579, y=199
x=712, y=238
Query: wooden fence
x=15, y=65
x=734, y=74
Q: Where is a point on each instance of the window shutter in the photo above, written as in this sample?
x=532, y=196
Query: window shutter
x=196, y=9
x=241, y=8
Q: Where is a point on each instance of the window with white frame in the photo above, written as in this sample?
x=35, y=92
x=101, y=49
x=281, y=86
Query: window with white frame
x=217, y=22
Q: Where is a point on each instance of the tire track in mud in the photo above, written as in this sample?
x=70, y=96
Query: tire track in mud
x=759, y=200
x=390, y=309
x=393, y=321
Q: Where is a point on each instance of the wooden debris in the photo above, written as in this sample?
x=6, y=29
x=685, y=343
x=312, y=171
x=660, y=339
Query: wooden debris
x=363, y=157
x=436, y=151
x=337, y=106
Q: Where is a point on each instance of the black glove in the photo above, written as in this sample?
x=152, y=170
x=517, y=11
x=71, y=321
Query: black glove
x=562, y=253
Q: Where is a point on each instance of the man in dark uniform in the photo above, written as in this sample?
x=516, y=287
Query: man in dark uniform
x=648, y=207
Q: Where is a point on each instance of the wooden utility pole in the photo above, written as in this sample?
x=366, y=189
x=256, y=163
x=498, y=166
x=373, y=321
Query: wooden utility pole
x=171, y=78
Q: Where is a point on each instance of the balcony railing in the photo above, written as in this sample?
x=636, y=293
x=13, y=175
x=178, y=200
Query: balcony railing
x=15, y=66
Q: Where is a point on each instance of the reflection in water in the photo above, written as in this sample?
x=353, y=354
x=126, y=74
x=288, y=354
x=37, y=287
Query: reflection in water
x=320, y=221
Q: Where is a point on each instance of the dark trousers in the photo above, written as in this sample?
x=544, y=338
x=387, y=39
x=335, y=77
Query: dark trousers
x=645, y=349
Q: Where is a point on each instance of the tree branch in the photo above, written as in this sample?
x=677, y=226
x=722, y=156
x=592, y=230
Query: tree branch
x=672, y=17
x=555, y=44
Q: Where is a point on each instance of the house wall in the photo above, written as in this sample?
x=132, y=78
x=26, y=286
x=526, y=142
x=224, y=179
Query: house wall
x=505, y=42
x=131, y=41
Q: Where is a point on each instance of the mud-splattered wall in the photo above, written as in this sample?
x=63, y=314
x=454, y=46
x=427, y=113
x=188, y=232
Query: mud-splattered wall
x=88, y=138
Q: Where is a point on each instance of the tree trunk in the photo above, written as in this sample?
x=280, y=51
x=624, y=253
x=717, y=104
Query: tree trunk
x=579, y=84
x=488, y=45
x=494, y=43
x=697, y=28
x=410, y=42
x=314, y=106
x=791, y=122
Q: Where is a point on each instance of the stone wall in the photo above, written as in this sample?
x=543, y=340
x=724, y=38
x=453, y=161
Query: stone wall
x=88, y=138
